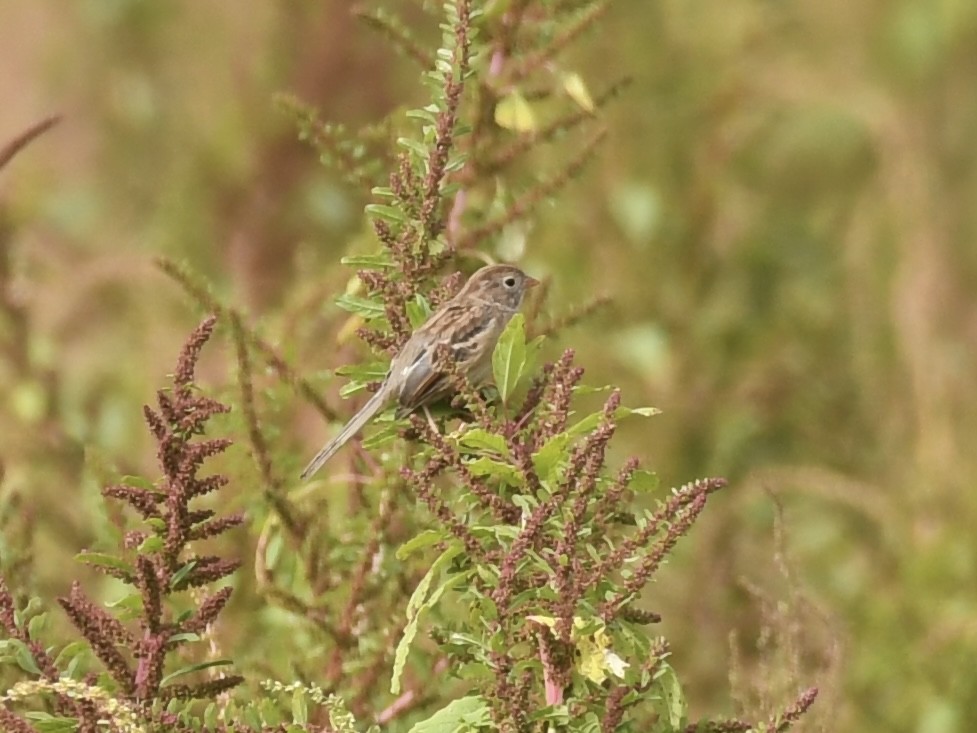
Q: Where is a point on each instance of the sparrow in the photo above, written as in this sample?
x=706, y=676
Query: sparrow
x=469, y=324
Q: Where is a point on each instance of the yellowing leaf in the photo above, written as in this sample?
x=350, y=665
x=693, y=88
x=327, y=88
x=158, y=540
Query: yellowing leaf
x=576, y=89
x=513, y=112
x=596, y=660
x=349, y=329
x=547, y=621
x=615, y=664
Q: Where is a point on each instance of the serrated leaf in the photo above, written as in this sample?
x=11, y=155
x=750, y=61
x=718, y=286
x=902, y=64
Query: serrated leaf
x=513, y=112
x=464, y=714
x=365, y=307
x=190, y=669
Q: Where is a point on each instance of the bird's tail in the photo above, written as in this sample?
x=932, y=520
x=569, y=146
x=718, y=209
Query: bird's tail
x=356, y=423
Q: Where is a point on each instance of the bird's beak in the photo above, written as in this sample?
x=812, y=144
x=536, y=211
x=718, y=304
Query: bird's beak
x=531, y=282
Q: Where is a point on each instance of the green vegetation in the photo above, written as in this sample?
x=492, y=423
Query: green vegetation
x=756, y=217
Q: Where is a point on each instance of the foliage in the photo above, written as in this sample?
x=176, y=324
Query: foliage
x=773, y=245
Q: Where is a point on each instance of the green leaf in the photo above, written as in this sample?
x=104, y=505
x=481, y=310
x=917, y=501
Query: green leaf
x=365, y=307
x=23, y=656
x=670, y=700
x=37, y=625
x=138, y=482
x=591, y=422
x=418, y=311
x=180, y=575
x=300, y=707
x=509, y=357
x=360, y=375
x=195, y=668
x=382, y=211
x=367, y=372
x=371, y=261
x=130, y=601
x=463, y=714
x=153, y=543
x=483, y=440
x=547, y=459
x=505, y=472
x=47, y=723
x=427, y=114
x=210, y=715
x=384, y=435
x=644, y=482
x=103, y=559
x=69, y=653
x=425, y=539
x=419, y=602
x=418, y=148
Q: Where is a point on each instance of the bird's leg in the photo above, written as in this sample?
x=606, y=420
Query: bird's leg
x=430, y=419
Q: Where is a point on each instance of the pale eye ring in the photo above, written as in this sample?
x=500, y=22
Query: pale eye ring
x=509, y=282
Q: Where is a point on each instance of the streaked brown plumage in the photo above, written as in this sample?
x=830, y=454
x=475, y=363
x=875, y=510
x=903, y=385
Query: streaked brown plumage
x=469, y=324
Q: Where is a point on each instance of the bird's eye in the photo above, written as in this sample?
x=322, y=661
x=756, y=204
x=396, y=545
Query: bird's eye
x=509, y=282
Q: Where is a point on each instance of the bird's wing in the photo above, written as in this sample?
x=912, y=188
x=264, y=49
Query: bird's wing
x=462, y=328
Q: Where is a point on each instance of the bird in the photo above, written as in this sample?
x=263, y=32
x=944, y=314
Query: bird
x=469, y=324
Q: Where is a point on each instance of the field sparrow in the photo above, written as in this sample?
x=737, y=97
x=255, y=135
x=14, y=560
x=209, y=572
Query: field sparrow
x=469, y=324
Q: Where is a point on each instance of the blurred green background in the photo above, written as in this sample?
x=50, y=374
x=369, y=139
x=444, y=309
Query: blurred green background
x=784, y=215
